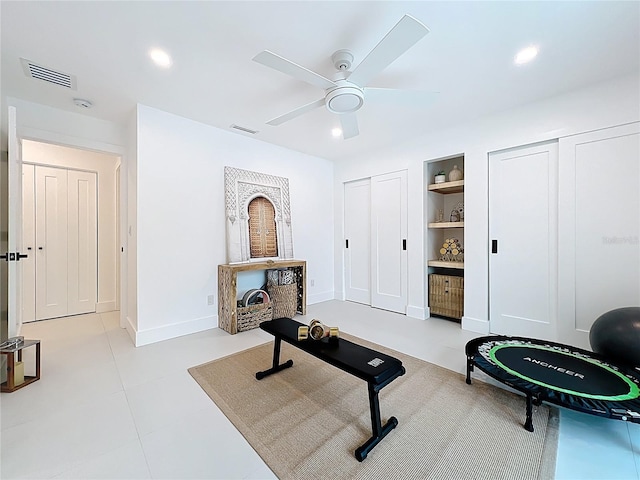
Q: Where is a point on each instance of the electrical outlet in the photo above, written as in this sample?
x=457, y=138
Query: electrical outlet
x=210, y=299
x=313, y=282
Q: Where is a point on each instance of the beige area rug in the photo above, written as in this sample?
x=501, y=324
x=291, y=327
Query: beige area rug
x=306, y=421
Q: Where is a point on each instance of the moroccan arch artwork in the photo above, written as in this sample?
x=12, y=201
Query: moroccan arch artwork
x=252, y=238
x=263, y=241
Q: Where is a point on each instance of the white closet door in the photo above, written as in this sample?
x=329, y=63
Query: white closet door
x=51, y=242
x=388, y=241
x=522, y=241
x=599, y=257
x=28, y=244
x=82, y=243
x=357, y=246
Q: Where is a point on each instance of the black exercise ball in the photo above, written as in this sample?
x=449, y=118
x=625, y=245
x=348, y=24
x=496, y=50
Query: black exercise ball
x=616, y=335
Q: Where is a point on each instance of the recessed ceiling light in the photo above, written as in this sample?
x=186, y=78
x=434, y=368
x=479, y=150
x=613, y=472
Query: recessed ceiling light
x=526, y=55
x=160, y=57
x=336, y=132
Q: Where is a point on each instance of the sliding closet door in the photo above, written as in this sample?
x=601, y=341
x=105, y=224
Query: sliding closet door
x=51, y=242
x=389, y=241
x=599, y=255
x=523, y=241
x=357, y=246
x=82, y=241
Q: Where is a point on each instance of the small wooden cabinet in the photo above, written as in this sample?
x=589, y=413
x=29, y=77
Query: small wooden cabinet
x=11, y=385
x=228, y=281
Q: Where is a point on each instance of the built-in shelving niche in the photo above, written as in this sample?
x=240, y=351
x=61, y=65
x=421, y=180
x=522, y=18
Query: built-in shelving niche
x=446, y=197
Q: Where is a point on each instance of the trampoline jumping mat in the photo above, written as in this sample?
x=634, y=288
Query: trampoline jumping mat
x=560, y=374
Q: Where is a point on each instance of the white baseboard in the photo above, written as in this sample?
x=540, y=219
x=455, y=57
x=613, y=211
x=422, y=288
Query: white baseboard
x=320, y=297
x=131, y=329
x=475, y=325
x=166, y=332
x=417, y=312
x=102, y=307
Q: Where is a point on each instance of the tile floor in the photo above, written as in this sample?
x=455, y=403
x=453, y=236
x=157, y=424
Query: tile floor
x=105, y=409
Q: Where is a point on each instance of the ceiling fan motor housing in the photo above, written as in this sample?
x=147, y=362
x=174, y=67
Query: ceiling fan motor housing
x=347, y=97
x=342, y=59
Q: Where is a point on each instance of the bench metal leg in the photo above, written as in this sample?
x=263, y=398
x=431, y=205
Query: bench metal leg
x=379, y=431
x=276, y=366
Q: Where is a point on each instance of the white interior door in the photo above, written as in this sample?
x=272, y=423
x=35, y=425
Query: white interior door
x=28, y=244
x=14, y=312
x=51, y=242
x=523, y=241
x=82, y=258
x=357, y=247
x=389, y=241
x=599, y=258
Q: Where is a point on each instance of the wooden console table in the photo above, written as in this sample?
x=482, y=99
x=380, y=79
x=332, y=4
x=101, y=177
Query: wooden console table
x=227, y=288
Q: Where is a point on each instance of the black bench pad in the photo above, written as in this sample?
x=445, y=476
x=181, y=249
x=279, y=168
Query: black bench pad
x=367, y=364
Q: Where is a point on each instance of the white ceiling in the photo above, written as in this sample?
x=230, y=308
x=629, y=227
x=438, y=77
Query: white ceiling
x=467, y=57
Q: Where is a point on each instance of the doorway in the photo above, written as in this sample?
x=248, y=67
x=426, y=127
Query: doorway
x=82, y=186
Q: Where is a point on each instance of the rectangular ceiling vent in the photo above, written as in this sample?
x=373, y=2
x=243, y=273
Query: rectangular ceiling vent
x=244, y=129
x=39, y=72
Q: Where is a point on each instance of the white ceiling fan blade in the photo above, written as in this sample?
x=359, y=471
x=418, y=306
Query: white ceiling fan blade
x=296, y=113
x=349, y=123
x=399, y=39
x=422, y=97
x=283, y=65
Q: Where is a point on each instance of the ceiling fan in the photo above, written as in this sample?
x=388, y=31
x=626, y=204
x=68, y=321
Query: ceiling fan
x=346, y=92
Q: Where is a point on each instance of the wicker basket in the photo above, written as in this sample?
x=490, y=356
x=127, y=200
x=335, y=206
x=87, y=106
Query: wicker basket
x=446, y=295
x=251, y=316
x=284, y=299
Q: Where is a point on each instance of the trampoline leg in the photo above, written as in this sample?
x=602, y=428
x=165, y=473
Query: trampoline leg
x=528, y=425
x=469, y=370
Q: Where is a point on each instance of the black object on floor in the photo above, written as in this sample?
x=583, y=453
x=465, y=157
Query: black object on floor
x=376, y=368
x=560, y=374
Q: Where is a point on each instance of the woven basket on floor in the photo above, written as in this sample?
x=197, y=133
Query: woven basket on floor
x=284, y=299
x=446, y=295
x=251, y=316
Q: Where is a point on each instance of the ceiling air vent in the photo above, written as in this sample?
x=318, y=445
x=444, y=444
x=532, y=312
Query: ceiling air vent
x=244, y=129
x=33, y=70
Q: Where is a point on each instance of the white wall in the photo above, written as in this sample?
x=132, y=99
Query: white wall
x=181, y=224
x=600, y=106
x=105, y=167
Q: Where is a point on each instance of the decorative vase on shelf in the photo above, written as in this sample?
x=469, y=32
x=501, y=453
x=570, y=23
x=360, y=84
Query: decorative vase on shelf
x=455, y=174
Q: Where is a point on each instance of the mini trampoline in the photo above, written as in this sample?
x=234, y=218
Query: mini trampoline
x=559, y=374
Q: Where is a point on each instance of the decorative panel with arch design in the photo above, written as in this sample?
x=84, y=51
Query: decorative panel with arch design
x=242, y=187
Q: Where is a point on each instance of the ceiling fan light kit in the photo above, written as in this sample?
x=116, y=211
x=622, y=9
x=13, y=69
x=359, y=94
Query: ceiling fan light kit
x=346, y=98
x=345, y=94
